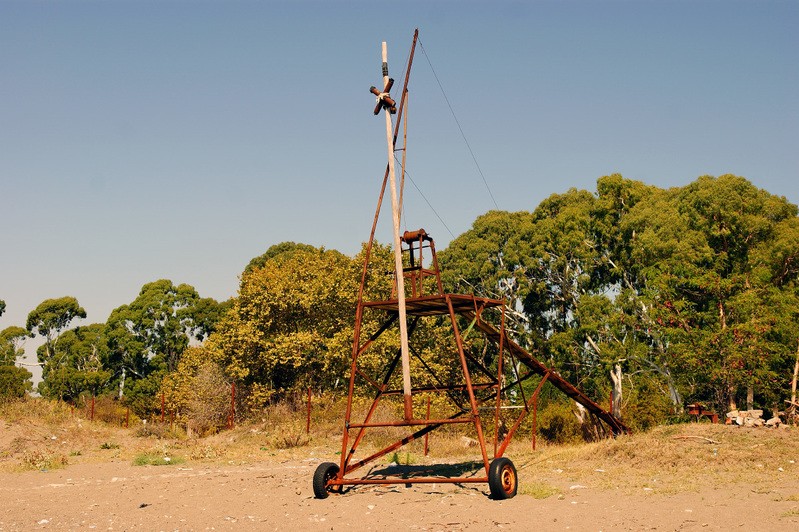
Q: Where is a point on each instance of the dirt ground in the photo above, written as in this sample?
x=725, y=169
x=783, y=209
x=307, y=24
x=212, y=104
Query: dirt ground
x=277, y=495
x=64, y=473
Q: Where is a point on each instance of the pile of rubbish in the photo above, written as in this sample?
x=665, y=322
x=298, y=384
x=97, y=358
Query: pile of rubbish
x=752, y=418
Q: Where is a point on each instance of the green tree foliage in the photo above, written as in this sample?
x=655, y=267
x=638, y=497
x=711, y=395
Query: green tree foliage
x=2, y=307
x=49, y=319
x=694, y=287
x=11, y=339
x=78, y=364
x=278, y=249
x=291, y=325
x=148, y=336
x=15, y=382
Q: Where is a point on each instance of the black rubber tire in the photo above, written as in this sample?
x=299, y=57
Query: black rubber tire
x=325, y=472
x=502, y=479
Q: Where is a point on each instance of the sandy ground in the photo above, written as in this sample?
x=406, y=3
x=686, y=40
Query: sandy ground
x=278, y=496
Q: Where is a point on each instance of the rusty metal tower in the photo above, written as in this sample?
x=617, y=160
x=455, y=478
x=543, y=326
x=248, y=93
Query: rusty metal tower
x=419, y=295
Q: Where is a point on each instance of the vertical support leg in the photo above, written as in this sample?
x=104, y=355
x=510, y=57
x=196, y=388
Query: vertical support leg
x=500, y=374
x=469, y=388
x=350, y=390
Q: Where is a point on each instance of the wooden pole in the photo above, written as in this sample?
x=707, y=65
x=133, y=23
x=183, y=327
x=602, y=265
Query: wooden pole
x=403, y=322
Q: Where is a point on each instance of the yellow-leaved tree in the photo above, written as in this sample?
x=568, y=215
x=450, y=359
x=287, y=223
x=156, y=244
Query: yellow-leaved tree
x=291, y=325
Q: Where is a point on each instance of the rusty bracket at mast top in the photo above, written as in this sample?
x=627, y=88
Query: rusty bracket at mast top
x=384, y=100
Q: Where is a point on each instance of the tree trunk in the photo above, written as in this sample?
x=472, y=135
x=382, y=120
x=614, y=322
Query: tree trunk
x=750, y=397
x=731, y=404
x=122, y=383
x=616, y=376
x=674, y=393
x=591, y=429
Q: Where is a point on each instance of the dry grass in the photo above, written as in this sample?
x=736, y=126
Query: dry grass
x=671, y=459
x=38, y=434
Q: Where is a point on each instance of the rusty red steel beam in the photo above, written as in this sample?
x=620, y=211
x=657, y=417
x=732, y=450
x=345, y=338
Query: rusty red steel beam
x=533, y=400
x=394, y=446
x=559, y=382
x=453, y=387
x=413, y=422
x=500, y=373
x=467, y=377
x=420, y=480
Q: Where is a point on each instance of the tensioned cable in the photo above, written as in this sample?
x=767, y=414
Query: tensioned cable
x=408, y=175
x=425, y=200
x=451, y=110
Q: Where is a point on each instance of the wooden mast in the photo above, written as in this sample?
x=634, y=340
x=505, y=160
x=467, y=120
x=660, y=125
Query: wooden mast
x=395, y=211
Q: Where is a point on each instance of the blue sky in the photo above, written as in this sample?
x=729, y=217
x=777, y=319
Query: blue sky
x=146, y=140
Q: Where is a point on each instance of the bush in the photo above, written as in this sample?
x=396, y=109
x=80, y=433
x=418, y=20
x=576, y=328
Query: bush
x=43, y=460
x=15, y=382
x=208, y=408
x=646, y=406
x=558, y=424
x=107, y=408
x=198, y=392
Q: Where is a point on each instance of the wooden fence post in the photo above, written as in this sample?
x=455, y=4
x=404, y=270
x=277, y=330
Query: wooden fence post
x=232, y=415
x=308, y=417
x=427, y=418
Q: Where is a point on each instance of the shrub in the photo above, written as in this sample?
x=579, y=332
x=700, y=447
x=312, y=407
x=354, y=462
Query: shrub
x=198, y=391
x=208, y=407
x=558, y=424
x=645, y=406
x=290, y=437
x=107, y=408
x=43, y=460
x=14, y=382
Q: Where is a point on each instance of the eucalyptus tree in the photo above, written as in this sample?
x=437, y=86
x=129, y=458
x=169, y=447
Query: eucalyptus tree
x=543, y=263
x=14, y=381
x=11, y=339
x=734, y=292
x=49, y=320
x=78, y=365
x=692, y=286
x=147, y=336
